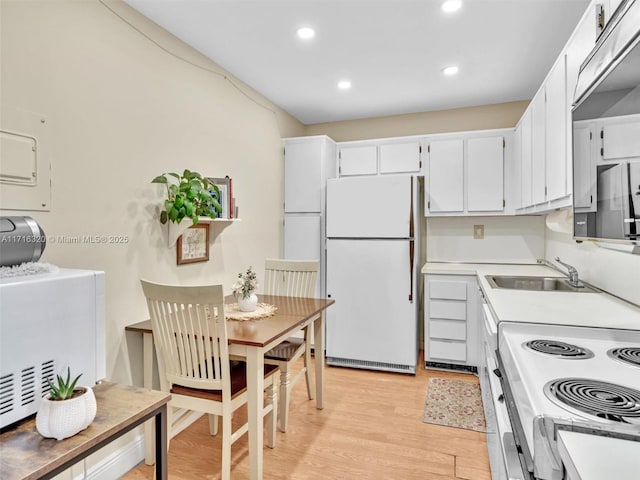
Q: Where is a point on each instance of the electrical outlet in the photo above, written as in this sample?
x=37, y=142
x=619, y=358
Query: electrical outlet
x=478, y=232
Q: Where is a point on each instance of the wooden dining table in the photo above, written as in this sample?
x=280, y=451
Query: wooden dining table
x=251, y=339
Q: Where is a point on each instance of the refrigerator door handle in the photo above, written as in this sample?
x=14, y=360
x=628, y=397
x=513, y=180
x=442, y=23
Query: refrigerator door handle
x=411, y=242
x=411, y=226
x=411, y=253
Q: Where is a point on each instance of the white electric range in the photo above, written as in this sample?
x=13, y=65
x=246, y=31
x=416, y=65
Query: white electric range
x=583, y=380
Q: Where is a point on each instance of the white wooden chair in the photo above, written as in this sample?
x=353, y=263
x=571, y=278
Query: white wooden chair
x=193, y=359
x=294, y=278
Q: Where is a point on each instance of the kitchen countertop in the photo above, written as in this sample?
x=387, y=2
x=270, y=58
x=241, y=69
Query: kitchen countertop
x=562, y=308
x=621, y=461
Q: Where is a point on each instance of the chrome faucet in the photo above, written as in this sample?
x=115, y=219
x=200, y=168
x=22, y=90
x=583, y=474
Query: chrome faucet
x=573, y=273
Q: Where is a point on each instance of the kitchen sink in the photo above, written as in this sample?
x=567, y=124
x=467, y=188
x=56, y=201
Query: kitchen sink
x=541, y=284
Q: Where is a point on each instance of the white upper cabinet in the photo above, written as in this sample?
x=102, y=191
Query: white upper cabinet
x=308, y=162
x=465, y=173
x=556, y=113
x=357, y=160
x=400, y=157
x=445, y=177
x=381, y=156
x=526, y=164
x=538, y=148
x=546, y=166
x=544, y=163
x=578, y=47
x=485, y=180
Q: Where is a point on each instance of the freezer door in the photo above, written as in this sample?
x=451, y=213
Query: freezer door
x=371, y=207
x=373, y=324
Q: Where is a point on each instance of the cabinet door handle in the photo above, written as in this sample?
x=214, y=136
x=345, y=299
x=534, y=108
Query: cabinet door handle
x=501, y=398
x=497, y=373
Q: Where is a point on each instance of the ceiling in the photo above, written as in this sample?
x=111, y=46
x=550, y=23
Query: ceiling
x=392, y=51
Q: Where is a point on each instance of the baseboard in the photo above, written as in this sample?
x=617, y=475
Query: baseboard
x=132, y=454
x=450, y=366
x=118, y=463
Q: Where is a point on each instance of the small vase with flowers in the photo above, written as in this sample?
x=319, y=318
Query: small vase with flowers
x=244, y=290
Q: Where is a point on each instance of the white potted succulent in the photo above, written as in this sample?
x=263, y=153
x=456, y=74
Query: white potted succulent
x=66, y=409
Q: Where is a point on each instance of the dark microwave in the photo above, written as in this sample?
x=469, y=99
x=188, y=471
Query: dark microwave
x=606, y=134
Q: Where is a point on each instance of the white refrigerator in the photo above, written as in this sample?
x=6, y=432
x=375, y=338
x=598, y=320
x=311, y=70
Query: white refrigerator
x=372, y=272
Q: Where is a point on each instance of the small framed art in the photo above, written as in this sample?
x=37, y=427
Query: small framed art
x=193, y=244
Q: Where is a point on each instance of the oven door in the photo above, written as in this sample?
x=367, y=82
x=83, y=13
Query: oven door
x=503, y=454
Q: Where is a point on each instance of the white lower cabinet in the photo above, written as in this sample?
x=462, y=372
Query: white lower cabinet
x=451, y=322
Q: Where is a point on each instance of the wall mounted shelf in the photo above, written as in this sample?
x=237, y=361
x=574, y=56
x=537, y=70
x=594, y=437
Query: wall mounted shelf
x=177, y=229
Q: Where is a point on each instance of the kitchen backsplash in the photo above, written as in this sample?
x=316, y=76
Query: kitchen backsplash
x=505, y=239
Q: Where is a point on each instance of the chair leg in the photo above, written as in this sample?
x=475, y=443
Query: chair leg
x=226, y=446
x=307, y=365
x=213, y=424
x=169, y=425
x=283, y=413
x=272, y=416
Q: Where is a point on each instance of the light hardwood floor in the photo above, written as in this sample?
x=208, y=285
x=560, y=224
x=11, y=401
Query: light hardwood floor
x=371, y=428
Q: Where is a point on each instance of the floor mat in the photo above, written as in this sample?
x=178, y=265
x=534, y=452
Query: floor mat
x=454, y=403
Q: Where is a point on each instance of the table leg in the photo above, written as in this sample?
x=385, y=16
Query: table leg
x=318, y=348
x=147, y=382
x=255, y=389
x=161, y=444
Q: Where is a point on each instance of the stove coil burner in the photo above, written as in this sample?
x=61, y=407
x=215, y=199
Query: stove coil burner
x=630, y=355
x=559, y=349
x=604, y=400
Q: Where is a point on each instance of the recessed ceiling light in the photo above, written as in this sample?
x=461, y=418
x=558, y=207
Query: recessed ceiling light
x=451, y=5
x=306, y=33
x=452, y=70
x=344, y=84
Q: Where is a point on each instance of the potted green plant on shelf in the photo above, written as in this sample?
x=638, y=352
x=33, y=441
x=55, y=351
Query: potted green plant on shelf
x=188, y=195
x=66, y=409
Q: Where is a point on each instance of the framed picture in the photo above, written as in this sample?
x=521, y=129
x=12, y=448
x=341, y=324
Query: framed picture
x=193, y=244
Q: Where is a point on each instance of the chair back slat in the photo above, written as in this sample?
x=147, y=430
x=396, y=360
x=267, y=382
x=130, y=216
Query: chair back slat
x=190, y=334
x=292, y=278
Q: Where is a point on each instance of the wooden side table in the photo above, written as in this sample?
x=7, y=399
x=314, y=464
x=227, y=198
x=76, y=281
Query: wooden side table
x=26, y=455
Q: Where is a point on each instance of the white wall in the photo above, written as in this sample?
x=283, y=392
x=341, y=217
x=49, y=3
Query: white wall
x=506, y=239
x=613, y=271
x=121, y=110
